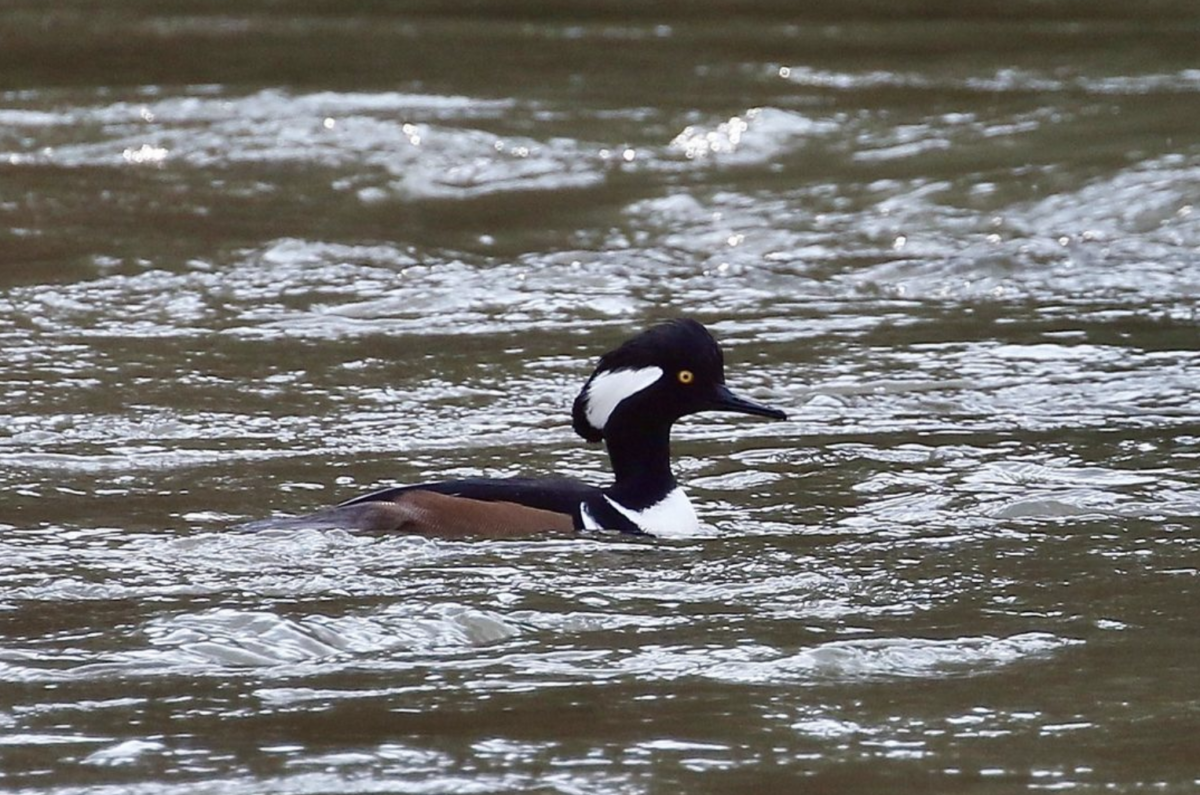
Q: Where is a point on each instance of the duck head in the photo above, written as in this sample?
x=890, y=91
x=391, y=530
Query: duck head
x=665, y=373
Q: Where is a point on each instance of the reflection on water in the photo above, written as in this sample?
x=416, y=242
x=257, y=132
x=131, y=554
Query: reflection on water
x=260, y=263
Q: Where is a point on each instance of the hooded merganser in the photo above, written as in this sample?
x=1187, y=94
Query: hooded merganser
x=630, y=402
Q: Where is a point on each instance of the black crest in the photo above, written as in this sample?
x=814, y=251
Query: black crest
x=675, y=345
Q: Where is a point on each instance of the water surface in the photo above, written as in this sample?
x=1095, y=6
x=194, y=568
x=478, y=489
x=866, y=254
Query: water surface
x=260, y=258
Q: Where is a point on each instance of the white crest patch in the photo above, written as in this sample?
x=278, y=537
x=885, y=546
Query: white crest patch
x=670, y=517
x=607, y=390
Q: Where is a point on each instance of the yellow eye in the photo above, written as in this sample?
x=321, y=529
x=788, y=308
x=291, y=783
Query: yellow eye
x=686, y=377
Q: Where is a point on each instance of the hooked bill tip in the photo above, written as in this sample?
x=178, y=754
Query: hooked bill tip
x=727, y=401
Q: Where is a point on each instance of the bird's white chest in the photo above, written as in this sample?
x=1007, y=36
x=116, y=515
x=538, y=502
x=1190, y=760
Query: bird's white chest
x=671, y=517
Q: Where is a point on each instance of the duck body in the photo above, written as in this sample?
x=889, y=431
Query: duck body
x=518, y=506
x=630, y=402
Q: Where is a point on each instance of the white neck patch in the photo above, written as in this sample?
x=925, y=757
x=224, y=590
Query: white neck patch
x=607, y=390
x=670, y=517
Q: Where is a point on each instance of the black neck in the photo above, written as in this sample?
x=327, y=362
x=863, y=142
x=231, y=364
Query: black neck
x=641, y=461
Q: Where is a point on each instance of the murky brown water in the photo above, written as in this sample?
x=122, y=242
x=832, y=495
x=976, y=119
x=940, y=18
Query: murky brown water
x=259, y=259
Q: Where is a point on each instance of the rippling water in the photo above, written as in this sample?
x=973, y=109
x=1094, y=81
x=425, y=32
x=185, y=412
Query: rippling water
x=257, y=262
